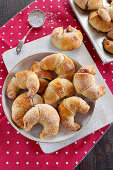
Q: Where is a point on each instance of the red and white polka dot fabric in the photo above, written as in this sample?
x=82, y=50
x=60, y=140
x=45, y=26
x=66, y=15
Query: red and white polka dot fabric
x=16, y=151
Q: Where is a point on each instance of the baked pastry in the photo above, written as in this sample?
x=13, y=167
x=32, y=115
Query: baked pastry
x=106, y=13
x=23, y=80
x=89, y=4
x=21, y=105
x=57, y=89
x=45, y=115
x=84, y=83
x=98, y=23
x=60, y=63
x=110, y=34
x=108, y=45
x=44, y=76
x=110, y=10
x=69, y=40
x=68, y=109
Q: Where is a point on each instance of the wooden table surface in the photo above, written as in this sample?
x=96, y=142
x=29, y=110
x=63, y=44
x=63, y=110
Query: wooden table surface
x=101, y=156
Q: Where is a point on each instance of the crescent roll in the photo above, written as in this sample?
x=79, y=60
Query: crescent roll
x=57, y=89
x=23, y=80
x=100, y=24
x=68, y=109
x=60, y=63
x=84, y=83
x=45, y=115
x=45, y=76
x=21, y=105
x=89, y=4
x=69, y=40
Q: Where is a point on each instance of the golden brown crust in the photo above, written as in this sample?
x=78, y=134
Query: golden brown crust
x=51, y=97
x=81, y=3
x=60, y=63
x=21, y=105
x=87, y=69
x=57, y=85
x=98, y=23
x=45, y=115
x=84, y=83
x=68, y=109
x=103, y=12
x=12, y=89
x=43, y=85
x=89, y=4
x=23, y=80
x=70, y=40
x=58, y=88
x=110, y=10
x=55, y=60
x=94, y=4
x=108, y=45
x=66, y=69
x=95, y=92
x=106, y=13
x=44, y=76
x=110, y=34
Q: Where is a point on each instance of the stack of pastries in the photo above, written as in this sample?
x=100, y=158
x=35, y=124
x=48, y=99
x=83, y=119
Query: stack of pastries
x=57, y=101
x=100, y=18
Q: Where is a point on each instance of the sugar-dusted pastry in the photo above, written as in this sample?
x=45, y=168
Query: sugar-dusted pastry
x=98, y=21
x=69, y=40
x=57, y=89
x=45, y=76
x=89, y=4
x=60, y=63
x=68, y=109
x=23, y=80
x=108, y=45
x=21, y=105
x=45, y=115
x=84, y=83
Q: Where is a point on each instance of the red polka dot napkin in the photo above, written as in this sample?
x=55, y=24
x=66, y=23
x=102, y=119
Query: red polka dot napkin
x=18, y=152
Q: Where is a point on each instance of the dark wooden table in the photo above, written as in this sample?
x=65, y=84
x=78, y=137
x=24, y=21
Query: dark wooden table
x=101, y=156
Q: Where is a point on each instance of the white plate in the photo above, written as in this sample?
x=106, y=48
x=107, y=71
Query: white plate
x=33, y=134
x=95, y=37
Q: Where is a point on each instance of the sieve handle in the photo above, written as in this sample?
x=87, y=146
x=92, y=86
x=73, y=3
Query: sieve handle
x=21, y=43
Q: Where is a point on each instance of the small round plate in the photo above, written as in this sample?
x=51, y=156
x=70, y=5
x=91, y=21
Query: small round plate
x=33, y=134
